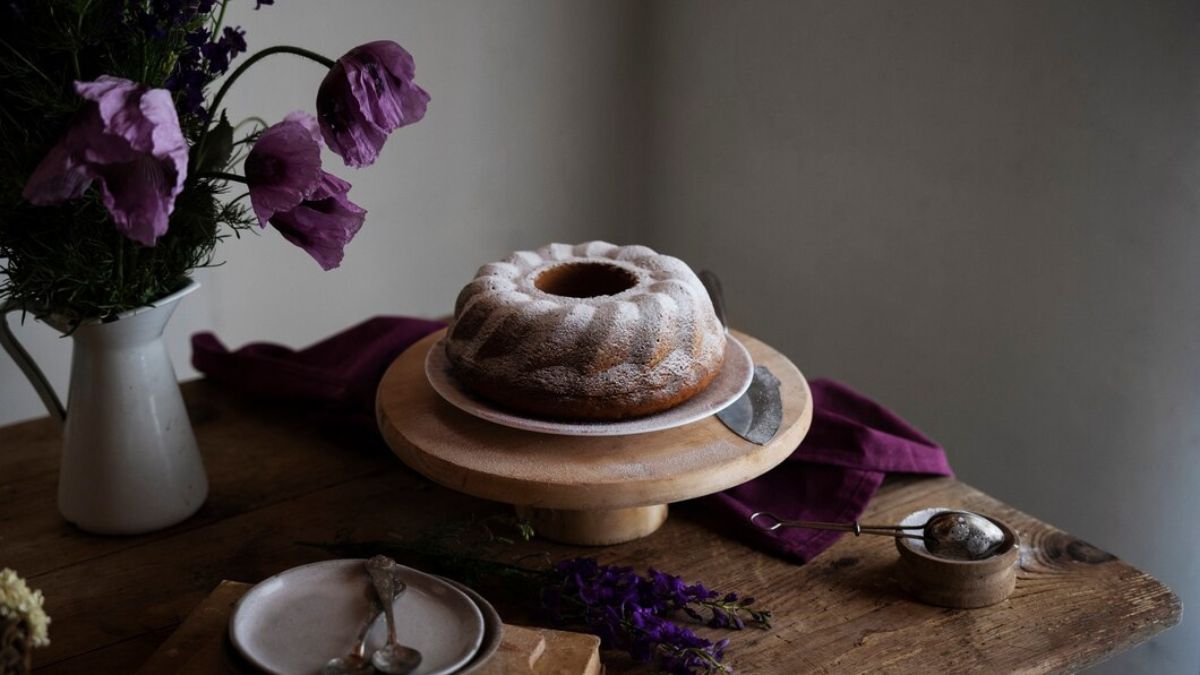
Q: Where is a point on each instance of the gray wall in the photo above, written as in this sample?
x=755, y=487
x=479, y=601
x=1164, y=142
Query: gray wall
x=525, y=141
x=982, y=214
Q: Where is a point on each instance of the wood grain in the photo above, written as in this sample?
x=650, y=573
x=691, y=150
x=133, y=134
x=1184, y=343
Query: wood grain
x=573, y=472
x=199, y=646
x=30, y=525
x=555, y=652
x=280, y=478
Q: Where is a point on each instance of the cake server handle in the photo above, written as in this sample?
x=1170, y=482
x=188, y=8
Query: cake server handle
x=758, y=413
x=716, y=294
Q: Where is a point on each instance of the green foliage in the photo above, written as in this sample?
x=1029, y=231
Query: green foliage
x=69, y=260
x=468, y=550
x=213, y=154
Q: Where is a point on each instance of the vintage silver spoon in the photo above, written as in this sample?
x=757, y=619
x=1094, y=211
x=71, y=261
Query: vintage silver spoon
x=393, y=658
x=960, y=535
x=355, y=662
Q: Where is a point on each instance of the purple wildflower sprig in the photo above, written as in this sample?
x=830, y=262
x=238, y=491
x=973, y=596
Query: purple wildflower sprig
x=208, y=47
x=630, y=612
x=724, y=611
x=649, y=637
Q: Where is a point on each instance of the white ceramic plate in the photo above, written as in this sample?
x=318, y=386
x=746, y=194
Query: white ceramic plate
x=295, y=621
x=734, y=379
x=493, y=630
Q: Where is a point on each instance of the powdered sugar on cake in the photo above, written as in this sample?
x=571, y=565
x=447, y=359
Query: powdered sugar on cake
x=532, y=323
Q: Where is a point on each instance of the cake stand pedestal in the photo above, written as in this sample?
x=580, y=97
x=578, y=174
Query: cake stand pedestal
x=591, y=490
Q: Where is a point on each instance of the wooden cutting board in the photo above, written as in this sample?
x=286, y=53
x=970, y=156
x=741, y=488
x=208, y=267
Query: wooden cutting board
x=200, y=646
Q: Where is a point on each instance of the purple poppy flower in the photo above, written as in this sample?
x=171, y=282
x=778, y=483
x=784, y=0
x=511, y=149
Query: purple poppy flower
x=323, y=223
x=127, y=139
x=289, y=190
x=284, y=166
x=368, y=94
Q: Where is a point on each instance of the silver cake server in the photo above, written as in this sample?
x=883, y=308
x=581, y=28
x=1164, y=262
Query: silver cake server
x=757, y=414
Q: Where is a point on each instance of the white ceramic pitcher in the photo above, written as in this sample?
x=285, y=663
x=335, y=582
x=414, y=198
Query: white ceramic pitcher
x=130, y=462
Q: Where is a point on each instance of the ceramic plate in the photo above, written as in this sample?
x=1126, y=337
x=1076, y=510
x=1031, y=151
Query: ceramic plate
x=734, y=379
x=295, y=621
x=493, y=630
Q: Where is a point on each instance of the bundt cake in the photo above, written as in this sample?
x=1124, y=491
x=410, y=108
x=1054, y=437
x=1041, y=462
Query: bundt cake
x=594, y=332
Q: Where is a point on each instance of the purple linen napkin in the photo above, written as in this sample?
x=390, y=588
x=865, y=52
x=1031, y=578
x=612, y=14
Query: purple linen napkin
x=338, y=375
x=852, y=445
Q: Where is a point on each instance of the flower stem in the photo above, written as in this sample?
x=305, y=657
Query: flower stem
x=215, y=108
x=120, y=261
x=221, y=175
x=220, y=18
x=258, y=56
x=250, y=120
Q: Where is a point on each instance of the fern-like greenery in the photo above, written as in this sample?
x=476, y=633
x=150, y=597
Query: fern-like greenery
x=69, y=260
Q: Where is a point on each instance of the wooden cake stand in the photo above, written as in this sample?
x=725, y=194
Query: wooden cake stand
x=590, y=490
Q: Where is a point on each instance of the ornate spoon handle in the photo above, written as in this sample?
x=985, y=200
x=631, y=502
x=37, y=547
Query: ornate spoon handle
x=380, y=569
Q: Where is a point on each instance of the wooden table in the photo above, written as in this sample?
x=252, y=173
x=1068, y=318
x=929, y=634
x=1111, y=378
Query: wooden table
x=280, y=477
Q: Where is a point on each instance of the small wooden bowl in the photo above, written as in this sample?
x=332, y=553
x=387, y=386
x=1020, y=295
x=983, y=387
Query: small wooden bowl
x=956, y=583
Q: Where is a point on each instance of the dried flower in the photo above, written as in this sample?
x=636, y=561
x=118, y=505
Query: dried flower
x=289, y=190
x=127, y=139
x=18, y=603
x=366, y=95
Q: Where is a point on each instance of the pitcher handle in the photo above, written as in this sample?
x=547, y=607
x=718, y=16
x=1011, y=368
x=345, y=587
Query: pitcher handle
x=27, y=365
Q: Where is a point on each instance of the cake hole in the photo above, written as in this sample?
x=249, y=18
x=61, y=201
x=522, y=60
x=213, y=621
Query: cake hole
x=585, y=280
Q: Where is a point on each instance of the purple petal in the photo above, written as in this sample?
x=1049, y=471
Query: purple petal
x=365, y=96
x=345, y=130
x=323, y=224
x=132, y=193
x=57, y=178
x=380, y=78
x=284, y=167
x=307, y=121
x=110, y=94
x=127, y=138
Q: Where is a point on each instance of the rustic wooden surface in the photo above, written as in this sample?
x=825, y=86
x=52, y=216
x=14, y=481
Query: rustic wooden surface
x=200, y=645
x=281, y=478
x=573, y=472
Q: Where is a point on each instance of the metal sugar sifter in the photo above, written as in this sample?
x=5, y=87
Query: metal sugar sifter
x=957, y=535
